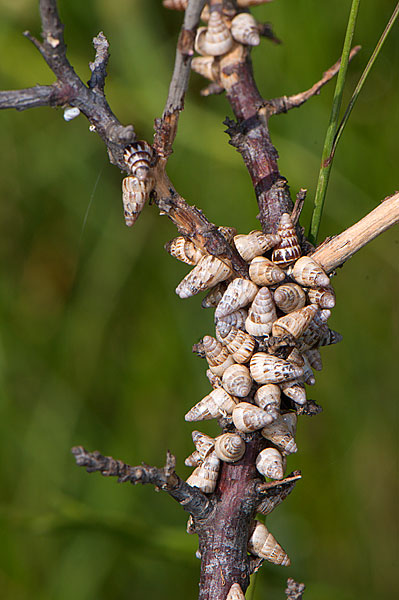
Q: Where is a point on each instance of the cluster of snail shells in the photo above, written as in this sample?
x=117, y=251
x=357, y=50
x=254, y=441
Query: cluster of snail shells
x=137, y=186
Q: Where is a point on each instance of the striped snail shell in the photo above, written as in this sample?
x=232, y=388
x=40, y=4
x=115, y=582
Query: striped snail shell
x=324, y=297
x=214, y=296
x=206, y=66
x=263, y=271
x=205, y=476
x=234, y=320
x=281, y=433
x=288, y=249
x=235, y=592
x=137, y=157
x=307, y=271
x=240, y=344
x=296, y=322
x=295, y=391
x=203, y=443
x=229, y=447
x=266, y=368
x=175, y=4
x=296, y=358
x=330, y=337
x=244, y=29
x=261, y=314
x=314, y=359
x=269, y=463
x=239, y=293
x=193, y=460
x=247, y=417
x=313, y=336
x=134, y=195
x=262, y=543
x=214, y=380
x=208, y=272
x=289, y=297
x=237, y=381
x=217, y=355
x=227, y=232
x=268, y=397
x=254, y=244
x=308, y=376
x=184, y=250
x=216, y=39
x=214, y=405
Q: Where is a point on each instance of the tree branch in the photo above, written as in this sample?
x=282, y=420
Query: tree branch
x=294, y=590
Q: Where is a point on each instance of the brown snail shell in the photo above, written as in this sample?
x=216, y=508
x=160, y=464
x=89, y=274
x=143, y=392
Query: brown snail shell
x=262, y=543
x=269, y=463
x=214, y=295
x=254, y=244
x=227, y=232
x=229, y=447
x=214, y=380
x=247, y=417
x=134, y=195
x=184, y=250
x=216, y=39
x=214, y=405
x=266, y=368
x=237, y=381
x=205, y=476
x=294, y=390
x=296, y=322
x=289, y=297
x=208, y=272
x=308, y=376
x=288, y=250
x=268, y=397
x=193, y=460
x=137, y=157
x=296, y=358
x=240, y=344
x=217, y=355
x=238, y=294
x=235, y=592
x=235, y=320
x=175, y=4
x=203, y=443
x=263, y=271
x=244, y=29
x=314, y=359
x=281, y=432
x=324, y=297
x=308, y=272
x=206, y=66
x=261, y=314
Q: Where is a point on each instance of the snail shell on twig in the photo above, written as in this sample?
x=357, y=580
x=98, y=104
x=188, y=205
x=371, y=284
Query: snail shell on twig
x=268, y=397
x=215, y=404
x=237, y=381
x=225, y=324
x=262, y=543
x=214, y=380
x=229, y=447
x=184, y=250
x=254, y=244
x=134, y=196
x=214, y=296
x=203, y=443
x=289, y=297
x=206, y=66
x=216, y=39
x=263, y=271
x=314, y=359
x=247, y=417
x=266, y=368
x=281, y=432
x=296, y=322
x=240, y=344
x=193, y=460
x=137, y=157
x=307, y=271
x=244, y=29
x=295, y=391
x=269, y=463
x=288, y=249
x=205, y=476
x=235, y=592
x=324, y=297
x=227, y=232
x=238, y=294
x=261, y=314
x=208, y=272
x=217, y=355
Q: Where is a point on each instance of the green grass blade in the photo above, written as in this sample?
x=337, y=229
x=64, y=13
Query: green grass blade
x=324, y=173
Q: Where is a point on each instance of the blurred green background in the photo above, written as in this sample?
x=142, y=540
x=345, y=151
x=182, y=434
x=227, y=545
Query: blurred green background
x=95, y=347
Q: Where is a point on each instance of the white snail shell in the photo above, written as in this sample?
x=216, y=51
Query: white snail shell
x=235, y=592
x=308, y=272
x=261, y=314
x=204, y=444
x=238, y=294
x=208, y=272
x=296, y=322
x=262, y=543
x=137, y=157
x=71, y=113
x=263, y=271
x=288, y=249
x=212, y=406
x=237, y=381
x=247, y=417
x=193, y=460
x=229, y=447
x=289, y=297
x=225, y=324
x=205, y=476
x=281, y=433
x=295, y=391
x=269, y=463
x=268, y=397
x=244, y=29
x=254, y=244
x=134, y=195
x=216, y=39
x=184, y=250
x=266, y=368
x=206, y=66
x=240, y=344
x=217, y=355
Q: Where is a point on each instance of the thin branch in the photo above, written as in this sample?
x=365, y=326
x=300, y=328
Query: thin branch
x=98, y=67
x=40, y=95
x=285, y=103
x=294, y=590
x=191, y=499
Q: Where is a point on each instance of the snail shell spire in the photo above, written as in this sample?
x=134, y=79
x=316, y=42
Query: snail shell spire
x=281, y=432
x=229, y=447
x=217, y=355
x=263, y=271
x=288, y=250
x=262, y=543
x=203, y=443
x=208, y=272
x=254, y=244
x=137, y=157
x=324, y=297
x=238, y=294
x=295, y=391
x=237, y=381
x=240, y=344
x=269, y=463
x=247, y=417
x=266, y=368
x=268, y=397
x=261, y=314
x=184, y=250
x=306, y=271
x=235, y=592
x=244, y=29
x=235, y=320
x=289, y=297
x=134, y=196
x=214, y=405
x=206, y=66
x=296, y=322
x=216, y=39
x=205, y=476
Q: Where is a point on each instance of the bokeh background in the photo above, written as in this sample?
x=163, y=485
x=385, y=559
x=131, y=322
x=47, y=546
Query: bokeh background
x=95, y=347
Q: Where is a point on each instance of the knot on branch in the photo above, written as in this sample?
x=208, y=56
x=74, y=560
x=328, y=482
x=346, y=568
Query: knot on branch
x=99, y=65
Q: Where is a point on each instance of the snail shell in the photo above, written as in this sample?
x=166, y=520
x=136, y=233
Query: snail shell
x=308, y=376
x=307, y=271
x=288, y=249
x=269, y=463
x=184, y=250
x=134, y=195
x=193, y=460
x=214, y=296
x=175, y=4
x=268, y=397
x=295, y=391
x=71, y=113
x=206, y=66
x=214, y=380
x=247, y=417
x=254, y=244
x=239, y=293
x=296, y=322
x=237, y=381
x=227, y=232
x=240, y=344
x=215, y=39
x=266, y=368
x=217, y=355
x=205, y=476
x=137, y=157
x=324, y=297
x=229, y=447
x=261, y=314
x=244, y=29
x=330, y=337
x=289, y=297
x=225, y=324
x=296, y=358
x=215, y=404
x=262, y=543
x=281, y=433
x=314, y=359
x=235, y=592
x=203, y=443
x=208, y=272
x=263, y=271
